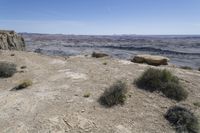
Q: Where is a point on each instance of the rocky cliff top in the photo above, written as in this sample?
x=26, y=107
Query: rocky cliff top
x=10, y=40
x=55, y=102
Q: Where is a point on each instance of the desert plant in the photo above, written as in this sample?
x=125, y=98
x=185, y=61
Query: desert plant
x=12, y=54
x=155, y=79
x=186, y=67
x=115, y=94
x=163, y=81
x=105, y=63
x=7, y=69
x=23, y=67
x=175, y=91
x=183, y=120
x=98, y=55
x=24, y=84
x=86, y=95
x=197, y=104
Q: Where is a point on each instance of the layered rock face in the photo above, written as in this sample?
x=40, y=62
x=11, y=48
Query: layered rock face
x=9, y=40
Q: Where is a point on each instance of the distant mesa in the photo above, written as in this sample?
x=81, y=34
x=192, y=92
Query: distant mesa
x=10, y=40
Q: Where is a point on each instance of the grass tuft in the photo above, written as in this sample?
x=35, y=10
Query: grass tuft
x=114, y=95
x=24, y=84
x=197, y=104
x=23, y=67
x=183, y=120
x=86, y=95
x=105, y=63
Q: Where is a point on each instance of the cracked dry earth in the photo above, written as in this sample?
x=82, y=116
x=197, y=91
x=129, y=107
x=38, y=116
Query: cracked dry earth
x=55, y=102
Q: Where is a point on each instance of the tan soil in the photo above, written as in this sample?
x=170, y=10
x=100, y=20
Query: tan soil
x=55, y=103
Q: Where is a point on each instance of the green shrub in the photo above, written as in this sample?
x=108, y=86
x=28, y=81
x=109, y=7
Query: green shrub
x=114, y=95
x=155, y=79
x=175, y=91
x=163, y=81
x=7, y=69
x=24, y=84
x=183, y=120
x=186, y=67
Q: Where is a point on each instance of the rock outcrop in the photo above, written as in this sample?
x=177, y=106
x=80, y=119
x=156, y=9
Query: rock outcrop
x=151, y=59
x=9, y=40
x=99, y=55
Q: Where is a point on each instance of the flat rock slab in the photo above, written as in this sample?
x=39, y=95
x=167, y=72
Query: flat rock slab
x=151, y=59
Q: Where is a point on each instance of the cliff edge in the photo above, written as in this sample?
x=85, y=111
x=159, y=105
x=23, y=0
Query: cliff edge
x=10, y=40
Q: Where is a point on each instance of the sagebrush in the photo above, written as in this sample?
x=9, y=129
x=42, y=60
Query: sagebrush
x=7, y=69
x=115, y=94
x=182, y=120
x=163, y=81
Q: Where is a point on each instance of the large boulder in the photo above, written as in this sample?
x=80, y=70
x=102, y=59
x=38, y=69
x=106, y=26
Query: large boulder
x=9, y=40
x=151, y=59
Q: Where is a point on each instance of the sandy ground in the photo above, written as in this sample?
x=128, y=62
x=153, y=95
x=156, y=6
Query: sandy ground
x=55, y=102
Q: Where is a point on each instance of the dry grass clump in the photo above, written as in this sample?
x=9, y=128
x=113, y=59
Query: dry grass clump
x=7, y=69
x=98, y=55
x=105, y=63
x=23, y=67
x=24, y=84
x=197, y=104
x=163, y=81
x=86, y=95
x=183, y=120
x=114, y=95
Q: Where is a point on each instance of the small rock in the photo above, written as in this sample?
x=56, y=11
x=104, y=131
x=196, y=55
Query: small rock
x=99, y=55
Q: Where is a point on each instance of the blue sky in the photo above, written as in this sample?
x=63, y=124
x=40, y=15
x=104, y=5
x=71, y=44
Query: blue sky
x=101, y=16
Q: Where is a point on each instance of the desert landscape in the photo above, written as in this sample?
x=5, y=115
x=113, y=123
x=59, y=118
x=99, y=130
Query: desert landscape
x=182, y=50
x=58, y=94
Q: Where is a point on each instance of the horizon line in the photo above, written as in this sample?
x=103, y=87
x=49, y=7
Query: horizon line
x=109, y=34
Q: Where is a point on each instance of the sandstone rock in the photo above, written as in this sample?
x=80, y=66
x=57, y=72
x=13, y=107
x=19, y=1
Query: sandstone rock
x=99, y=55
x=151, y=60
x=9, y=40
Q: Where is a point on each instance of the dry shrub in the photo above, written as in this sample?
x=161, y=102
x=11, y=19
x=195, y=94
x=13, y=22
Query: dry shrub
x=183, y=120
x=7, y=69
x=163, y=81
x=114, y=95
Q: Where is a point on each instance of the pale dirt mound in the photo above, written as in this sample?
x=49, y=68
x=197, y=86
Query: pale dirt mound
x=55, y=102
